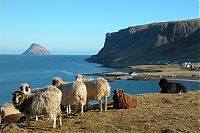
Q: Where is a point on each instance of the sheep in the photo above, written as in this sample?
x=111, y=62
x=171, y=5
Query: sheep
x=9, y=114
x=47, y=102
x=74, y=93
x=96, y=89
x=25, y=88
x=170, y=87
x=12, y=118
x=123, y=100
x=8, y=109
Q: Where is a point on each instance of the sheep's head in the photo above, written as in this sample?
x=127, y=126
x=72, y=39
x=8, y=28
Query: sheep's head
x=57, y=81
x=118, y=94
x=17, y=97
x=79, y=77
x=163, y=83
x=25, y=88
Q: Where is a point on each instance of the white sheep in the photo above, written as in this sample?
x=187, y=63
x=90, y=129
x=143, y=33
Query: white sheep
x=96, y=89
x=47, y=103
x=8, y=109
x=74, y=93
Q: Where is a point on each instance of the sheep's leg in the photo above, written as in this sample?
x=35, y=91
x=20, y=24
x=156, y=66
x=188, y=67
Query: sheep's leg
x=100, y=105
x=70, y=109
x=67, y=110
x=75, y=109
x=28, y=117
x=82, y=108
x=54, y=122
x=59, y=120
x=106, y=101
x=36, y=118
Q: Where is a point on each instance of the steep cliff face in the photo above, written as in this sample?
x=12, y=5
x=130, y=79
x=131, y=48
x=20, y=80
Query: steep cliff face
x=36, y=49
x=165, y=41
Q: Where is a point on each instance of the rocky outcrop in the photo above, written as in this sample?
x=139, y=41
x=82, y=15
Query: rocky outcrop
x=164, y=41
x=36, y=49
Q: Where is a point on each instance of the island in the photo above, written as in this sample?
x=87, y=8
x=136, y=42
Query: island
x=36, y=49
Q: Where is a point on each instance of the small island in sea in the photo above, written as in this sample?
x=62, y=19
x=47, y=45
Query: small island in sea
x=36, y=49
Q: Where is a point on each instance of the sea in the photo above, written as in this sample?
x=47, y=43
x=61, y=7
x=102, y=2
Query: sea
x=38, y=72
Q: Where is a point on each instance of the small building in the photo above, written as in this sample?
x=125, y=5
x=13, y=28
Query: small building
x=186, y=65
x=132, y=73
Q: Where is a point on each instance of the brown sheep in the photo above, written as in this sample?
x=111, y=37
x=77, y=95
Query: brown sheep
x=8, y=109
x=123, y=100
x=170, y=87
x=12, y=118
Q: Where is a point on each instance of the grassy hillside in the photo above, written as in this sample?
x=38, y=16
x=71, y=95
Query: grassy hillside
x=156, y=112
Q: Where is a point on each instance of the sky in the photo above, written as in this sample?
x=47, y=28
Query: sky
x=78, y=27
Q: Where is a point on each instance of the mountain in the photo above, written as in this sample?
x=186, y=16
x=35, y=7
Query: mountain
x=36, y=49
x=155, y=42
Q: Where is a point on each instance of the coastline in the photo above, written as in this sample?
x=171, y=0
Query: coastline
x=151, y=72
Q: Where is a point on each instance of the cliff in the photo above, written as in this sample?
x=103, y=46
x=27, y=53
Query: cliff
x=143, y=44
x=36, y=49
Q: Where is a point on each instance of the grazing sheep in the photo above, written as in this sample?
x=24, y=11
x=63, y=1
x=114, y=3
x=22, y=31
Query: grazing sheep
x=170, y=87
x=74, y=93
x=123, y=100
x=47, y=103
x=96, y=89
x=8, y=109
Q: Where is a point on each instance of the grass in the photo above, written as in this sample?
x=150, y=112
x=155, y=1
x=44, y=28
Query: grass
x=156, y=112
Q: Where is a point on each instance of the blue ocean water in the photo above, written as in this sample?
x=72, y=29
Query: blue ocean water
x=38, y=71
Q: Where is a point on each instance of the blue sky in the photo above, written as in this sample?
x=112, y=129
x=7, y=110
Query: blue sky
x=79, y=26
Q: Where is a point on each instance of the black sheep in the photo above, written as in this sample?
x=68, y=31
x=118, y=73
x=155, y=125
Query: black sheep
x=170, y=87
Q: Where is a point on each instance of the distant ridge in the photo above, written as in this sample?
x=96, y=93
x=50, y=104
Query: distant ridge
x=36, y=49
x=151, y=43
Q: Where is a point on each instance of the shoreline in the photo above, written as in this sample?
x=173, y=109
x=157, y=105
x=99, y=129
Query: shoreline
x=112, y=78
x=151, y=72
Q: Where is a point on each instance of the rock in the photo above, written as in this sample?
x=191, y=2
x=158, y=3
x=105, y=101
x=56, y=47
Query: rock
x=36, y=49
x=151, y=43
x=165, y=130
